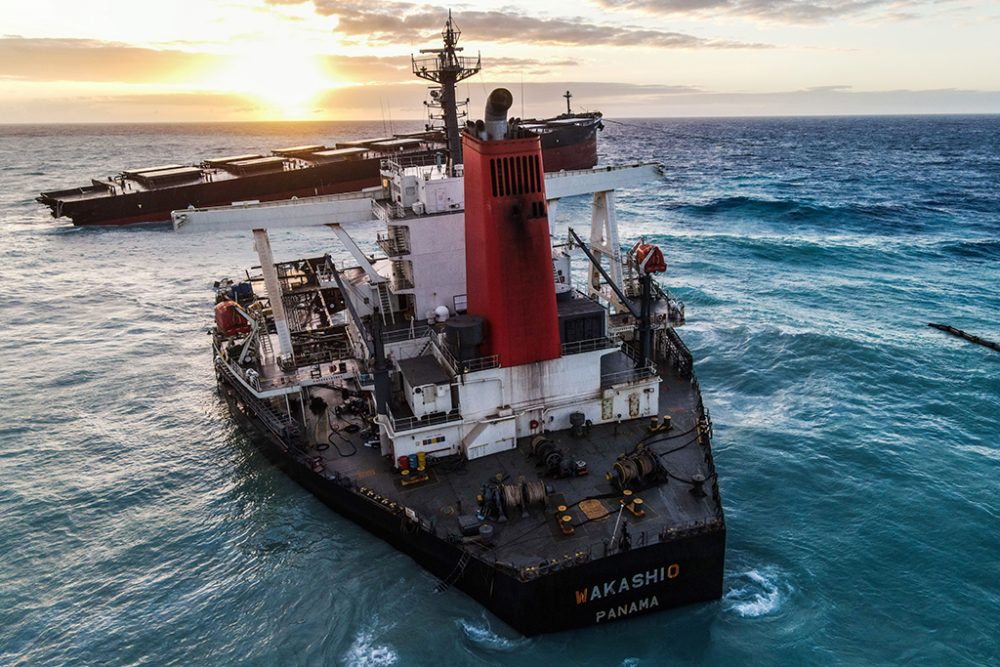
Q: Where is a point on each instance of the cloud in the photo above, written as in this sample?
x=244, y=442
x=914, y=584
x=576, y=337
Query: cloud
x=520, y=66
x=87, y=60
x=397, y=22
x=44, y=59
x=828, y=89
x=784, y=11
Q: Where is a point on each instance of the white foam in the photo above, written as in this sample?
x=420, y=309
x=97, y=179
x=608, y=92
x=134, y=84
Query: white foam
x=982, y=451
x=757, y=592
x=364, y=652
x=483, y=636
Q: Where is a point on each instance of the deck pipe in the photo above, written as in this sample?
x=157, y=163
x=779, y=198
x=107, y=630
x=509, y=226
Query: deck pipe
x=495, y=116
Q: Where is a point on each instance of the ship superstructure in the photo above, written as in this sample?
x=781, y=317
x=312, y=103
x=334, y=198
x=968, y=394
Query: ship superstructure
x=537, y=443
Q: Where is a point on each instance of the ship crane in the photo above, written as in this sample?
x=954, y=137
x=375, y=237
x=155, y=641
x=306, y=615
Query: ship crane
x=650, y=261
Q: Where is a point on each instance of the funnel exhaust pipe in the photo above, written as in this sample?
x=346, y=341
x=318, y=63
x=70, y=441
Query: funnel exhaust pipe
x=497, y=105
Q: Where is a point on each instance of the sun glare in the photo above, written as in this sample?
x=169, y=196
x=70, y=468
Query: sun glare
x=287, y=82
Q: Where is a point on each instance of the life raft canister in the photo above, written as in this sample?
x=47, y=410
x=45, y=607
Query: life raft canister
x=229, y=320
x=650, y=258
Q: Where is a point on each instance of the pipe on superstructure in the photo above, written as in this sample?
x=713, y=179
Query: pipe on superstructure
x=380, y=371
x=495, y=115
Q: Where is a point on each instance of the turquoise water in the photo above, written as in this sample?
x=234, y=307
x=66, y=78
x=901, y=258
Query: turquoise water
x=857, y=448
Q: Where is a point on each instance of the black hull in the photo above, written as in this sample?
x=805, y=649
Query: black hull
x=156, y=205
x=625, y=585
x=571, y=147
x=568, y=147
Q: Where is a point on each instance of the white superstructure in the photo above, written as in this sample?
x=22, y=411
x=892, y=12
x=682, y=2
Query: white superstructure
x=446, y=402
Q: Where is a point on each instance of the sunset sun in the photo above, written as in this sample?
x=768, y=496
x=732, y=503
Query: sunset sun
x=287, y=82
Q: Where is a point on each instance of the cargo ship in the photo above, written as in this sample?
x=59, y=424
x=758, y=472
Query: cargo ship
x=534, y=440
x=148, y=195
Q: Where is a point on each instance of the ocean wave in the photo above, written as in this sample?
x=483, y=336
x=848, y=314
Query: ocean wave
x=900, y=216
x=757, y=592
x=971, y=249
x=982, y=451
x=749, y=206
x=483, y=636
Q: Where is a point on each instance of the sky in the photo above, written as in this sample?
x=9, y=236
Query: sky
x=249, y=60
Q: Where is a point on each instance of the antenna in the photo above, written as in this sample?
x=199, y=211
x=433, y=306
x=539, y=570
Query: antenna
x=522, y=94
x=446, y=68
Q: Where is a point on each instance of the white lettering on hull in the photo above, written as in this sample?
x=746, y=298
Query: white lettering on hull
x=627, y=609
x=626, y=584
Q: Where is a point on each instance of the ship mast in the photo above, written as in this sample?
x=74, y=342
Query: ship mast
x=446, y=68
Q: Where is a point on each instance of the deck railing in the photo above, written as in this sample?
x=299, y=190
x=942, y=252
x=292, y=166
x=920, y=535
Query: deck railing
x=589, y=345
x=392, y=247
x=628, y=375
x=386, y=210
x=403, y=424
x=465, y=365
x=281, y=426
x=412, y=332
x=669, y=347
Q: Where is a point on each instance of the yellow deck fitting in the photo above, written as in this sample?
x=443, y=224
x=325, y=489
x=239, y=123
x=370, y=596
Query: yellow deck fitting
x=635, y=507
x=415, y=479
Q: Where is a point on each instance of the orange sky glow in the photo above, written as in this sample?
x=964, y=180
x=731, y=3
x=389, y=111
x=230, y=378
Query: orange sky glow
x=200, y=60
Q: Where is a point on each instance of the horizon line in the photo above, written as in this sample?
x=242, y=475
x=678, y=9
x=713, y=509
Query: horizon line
x=421, y=120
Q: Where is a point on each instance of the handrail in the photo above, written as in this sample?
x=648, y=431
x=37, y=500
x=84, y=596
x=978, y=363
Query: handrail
x=629, y=374
x=669, y=346
x=281, y=426
x=401, y=283
x=407, y=333
x=604, y=548
x=412, y=423
x=392, y=247
x=466, y=365
x=296, y=201
x=589, y=345
x=386, y=211
x=400, y=163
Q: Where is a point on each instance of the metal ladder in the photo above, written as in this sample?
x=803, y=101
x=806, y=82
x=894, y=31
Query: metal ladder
x=426, y=347
x=279, y=424
x=264, y=337
x=456, y=573
x=399, y=239
x=388, y=317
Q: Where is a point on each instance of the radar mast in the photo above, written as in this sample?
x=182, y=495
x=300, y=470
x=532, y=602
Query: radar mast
x=446, y=67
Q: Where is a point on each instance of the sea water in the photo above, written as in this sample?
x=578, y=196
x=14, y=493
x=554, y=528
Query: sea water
x=857, y=448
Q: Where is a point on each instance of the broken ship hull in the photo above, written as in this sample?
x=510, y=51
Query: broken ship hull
x=572, y=146
x=156, y=205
